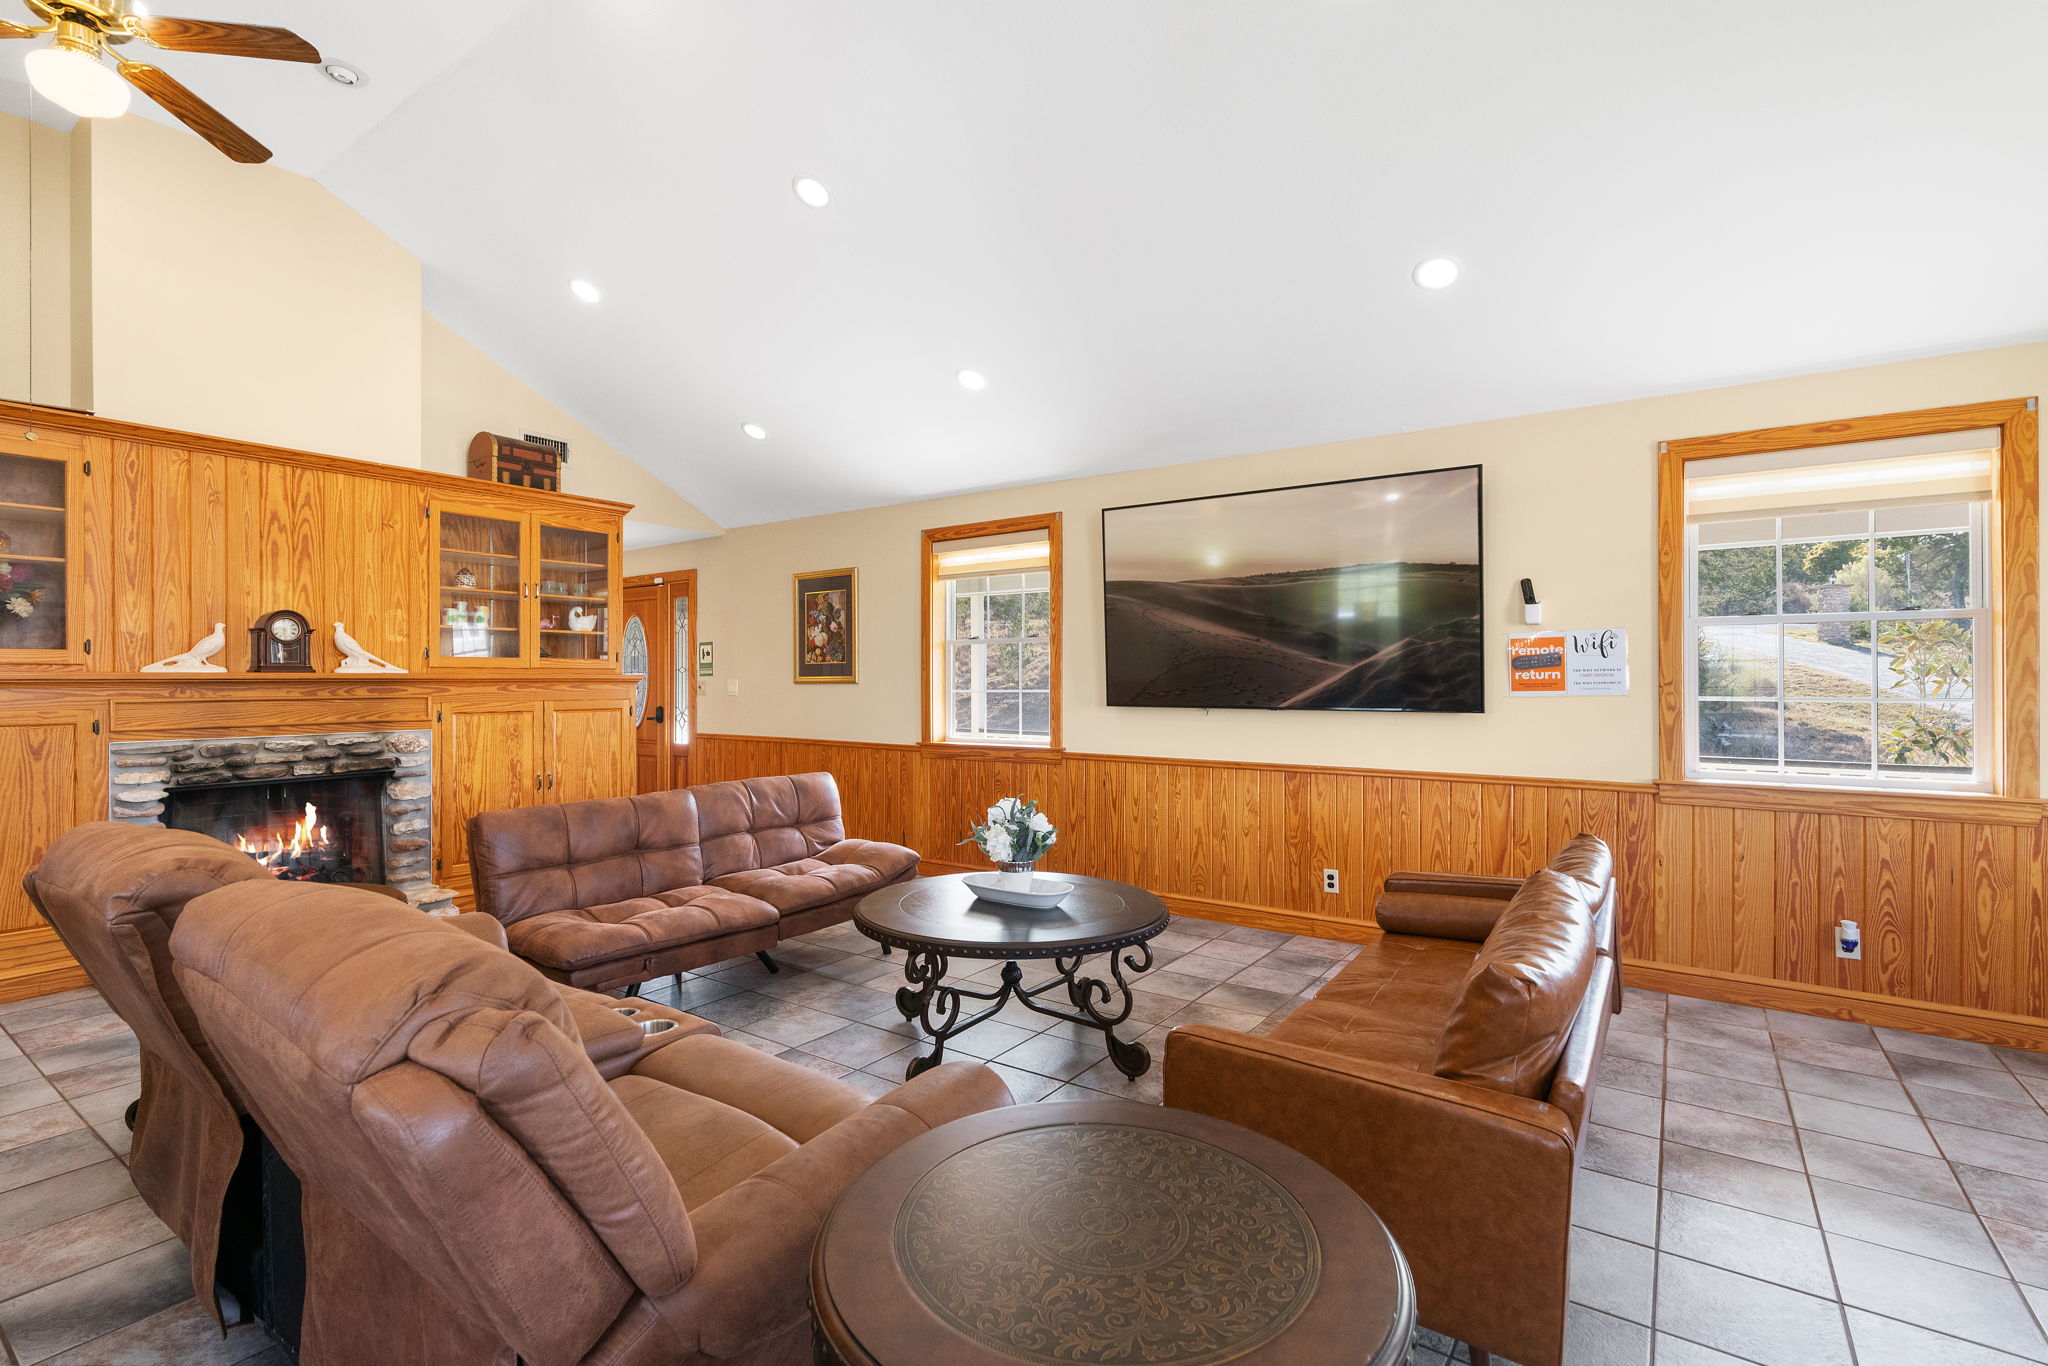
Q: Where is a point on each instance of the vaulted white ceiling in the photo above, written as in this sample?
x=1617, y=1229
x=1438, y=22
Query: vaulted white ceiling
x=1165, y=229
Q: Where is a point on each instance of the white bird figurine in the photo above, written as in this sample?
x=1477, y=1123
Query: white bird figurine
x=193, y=661
x=359, y=661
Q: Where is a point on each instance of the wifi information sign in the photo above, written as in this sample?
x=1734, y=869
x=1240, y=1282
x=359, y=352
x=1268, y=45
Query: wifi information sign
x=1570, y=663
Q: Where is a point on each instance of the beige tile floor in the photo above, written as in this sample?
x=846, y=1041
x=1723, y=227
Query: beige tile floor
x=1758, y=1187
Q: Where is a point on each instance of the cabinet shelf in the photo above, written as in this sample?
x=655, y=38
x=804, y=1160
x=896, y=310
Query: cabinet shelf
x=480, y=592
x=573, y=597
x=30, y=512
x=452, y=553
x=591, y=635
x=30, y=559
x=494, y=630
x=574, y=564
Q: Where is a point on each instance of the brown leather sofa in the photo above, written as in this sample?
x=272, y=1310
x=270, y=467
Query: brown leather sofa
x=474, y=1189
x=114, y=892
x=618, y=891
x=1444, y=1074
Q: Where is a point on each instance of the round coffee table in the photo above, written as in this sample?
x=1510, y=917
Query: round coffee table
x=936, y=919
x=1105, y=1233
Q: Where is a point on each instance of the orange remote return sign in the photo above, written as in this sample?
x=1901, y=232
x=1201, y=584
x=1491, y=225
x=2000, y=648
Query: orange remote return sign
x=1536, y=664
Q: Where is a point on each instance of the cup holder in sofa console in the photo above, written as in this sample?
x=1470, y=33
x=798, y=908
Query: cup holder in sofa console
x=628, y=1011
x=652, y=1027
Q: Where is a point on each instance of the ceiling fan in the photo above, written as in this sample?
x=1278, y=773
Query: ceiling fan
x=69, y=72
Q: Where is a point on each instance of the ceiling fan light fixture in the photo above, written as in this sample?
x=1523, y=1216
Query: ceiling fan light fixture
x=71, y=76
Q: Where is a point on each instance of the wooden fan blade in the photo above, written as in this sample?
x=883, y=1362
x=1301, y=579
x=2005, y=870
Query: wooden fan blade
x=195, y=113
x=226, y=40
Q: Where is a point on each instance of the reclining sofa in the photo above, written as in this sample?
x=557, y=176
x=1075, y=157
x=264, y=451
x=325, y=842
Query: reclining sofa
x=615, y=892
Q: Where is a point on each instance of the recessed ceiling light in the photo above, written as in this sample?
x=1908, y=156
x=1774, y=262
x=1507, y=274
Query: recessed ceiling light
x=585, y=291
x=1393, y=497
x=972, y=380
x=812, y=192
x=1436, y=273
x=755, y=430
x=342, y=74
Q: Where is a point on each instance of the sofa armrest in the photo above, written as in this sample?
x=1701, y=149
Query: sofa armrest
x=754, y=1240
x=480, y=926
x=613, y=1042
x=1475, y=1185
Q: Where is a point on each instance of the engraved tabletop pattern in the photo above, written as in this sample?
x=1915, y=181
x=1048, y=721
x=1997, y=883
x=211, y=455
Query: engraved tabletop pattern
x=1108, y=1244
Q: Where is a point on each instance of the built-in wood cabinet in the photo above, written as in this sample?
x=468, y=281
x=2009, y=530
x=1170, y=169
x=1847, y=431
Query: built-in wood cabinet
x=533, y=589
x=136, y=542
x=495, y=751
x=54, y=771
x=48, y=547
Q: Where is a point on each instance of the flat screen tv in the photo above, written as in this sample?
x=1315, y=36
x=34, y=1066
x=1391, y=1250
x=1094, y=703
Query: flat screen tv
x=1358, y=595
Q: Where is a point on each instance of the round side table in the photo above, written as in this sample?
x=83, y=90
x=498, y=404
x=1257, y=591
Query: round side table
x=1105, y=1233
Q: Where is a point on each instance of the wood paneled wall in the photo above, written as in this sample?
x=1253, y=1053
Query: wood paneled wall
x=1735, y=899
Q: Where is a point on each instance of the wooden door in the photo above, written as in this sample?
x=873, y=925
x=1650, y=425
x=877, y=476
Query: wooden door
x=56, y=767
x=589, y=751
x=480, y=597
x=51, y=552
x=644, y=654
x=487, y=757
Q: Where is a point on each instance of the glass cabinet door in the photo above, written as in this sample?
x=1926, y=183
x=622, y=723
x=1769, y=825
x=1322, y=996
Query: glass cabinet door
x=574, y=588
x=35, y=553
x=479, y=605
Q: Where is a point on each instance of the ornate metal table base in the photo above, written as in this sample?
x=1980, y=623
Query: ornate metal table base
x=1097, y=1004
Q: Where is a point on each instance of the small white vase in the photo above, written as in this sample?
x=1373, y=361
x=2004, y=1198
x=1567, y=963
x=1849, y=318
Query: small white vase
x=1014, y=877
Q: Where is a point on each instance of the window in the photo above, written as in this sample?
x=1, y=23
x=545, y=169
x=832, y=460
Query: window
x=1836, y=607
x=992, y=633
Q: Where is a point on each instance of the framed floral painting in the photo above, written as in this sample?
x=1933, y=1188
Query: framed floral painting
x=825, y=611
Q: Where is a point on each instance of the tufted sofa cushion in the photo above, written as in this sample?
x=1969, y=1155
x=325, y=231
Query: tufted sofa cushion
x=580, y=936
x=533, y=859
x=844, y=869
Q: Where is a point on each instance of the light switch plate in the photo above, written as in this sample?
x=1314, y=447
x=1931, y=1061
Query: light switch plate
x=732, y=687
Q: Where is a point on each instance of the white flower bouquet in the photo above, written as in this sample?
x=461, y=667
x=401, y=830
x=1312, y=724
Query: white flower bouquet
x=1016, y=832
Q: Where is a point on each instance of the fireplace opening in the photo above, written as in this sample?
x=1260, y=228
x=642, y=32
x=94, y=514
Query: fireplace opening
x=327, y=829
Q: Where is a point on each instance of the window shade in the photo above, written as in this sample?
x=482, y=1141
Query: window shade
x=1016, y=553
x=1952, y=467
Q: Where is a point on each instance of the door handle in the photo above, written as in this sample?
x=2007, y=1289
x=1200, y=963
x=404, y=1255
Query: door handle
x=658, y=716
x=536, y=782
x=551, y=780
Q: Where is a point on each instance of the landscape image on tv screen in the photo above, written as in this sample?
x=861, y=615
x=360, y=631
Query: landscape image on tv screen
x=1358, y=595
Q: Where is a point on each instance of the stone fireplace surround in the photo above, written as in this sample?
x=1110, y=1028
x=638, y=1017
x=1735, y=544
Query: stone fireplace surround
x=142, y=772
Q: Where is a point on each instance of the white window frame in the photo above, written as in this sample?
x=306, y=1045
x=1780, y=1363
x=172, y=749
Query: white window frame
x=978, y=732
x=1983, y=684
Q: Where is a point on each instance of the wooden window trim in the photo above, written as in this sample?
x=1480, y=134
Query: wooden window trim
x=931, y=539
x=2014, y=557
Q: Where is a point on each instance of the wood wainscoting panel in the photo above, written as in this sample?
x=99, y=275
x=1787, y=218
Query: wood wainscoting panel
x=1721, y=890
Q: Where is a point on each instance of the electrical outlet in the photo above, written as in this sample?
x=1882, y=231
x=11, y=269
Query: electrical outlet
x=1848, y=939
x=1329, y=879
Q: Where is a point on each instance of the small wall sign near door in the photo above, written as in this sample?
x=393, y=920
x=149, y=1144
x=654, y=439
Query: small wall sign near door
x=703, y=659
x=1570, y=663
x=825, y=626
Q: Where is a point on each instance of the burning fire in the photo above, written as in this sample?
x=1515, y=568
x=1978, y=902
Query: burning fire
x=287, y=854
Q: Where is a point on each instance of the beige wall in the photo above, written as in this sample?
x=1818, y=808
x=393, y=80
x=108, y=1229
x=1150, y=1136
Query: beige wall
x=37, y=362
x=463, y=392
x=247, y=301
x=1570, y=502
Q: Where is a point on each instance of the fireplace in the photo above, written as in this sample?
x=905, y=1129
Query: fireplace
x=348, y=807
x=305, y=830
